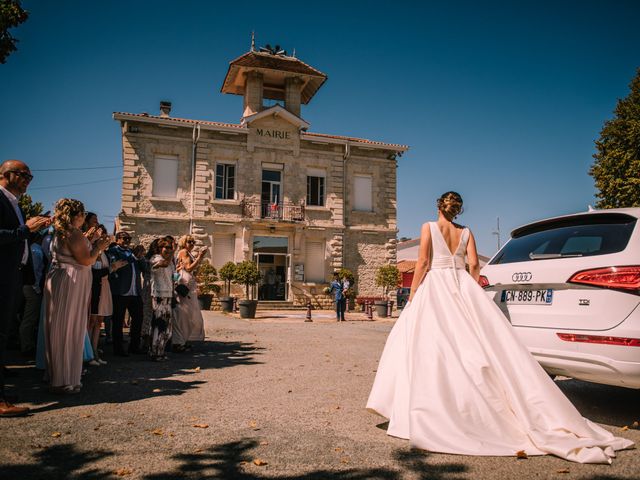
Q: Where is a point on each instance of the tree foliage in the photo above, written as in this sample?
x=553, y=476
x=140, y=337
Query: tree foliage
x=247, y=274
x=616, y=169
x=29, y=207
x=387, y=277
x=227, y=273
x=11, y=15
x=207, y=278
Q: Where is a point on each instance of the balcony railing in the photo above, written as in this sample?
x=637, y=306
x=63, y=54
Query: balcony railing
x=273, y=211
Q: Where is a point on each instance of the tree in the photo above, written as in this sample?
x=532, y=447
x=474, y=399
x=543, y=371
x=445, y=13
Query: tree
x=247, y=274
x=11, y=15
x=29, y=207
x=616, y=169
x=227, y=273
x=387, y=277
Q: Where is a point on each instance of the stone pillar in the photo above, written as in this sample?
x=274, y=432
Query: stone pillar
x=293, y=87
x=253, y=92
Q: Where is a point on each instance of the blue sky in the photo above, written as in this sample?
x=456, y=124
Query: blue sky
x=500, y=101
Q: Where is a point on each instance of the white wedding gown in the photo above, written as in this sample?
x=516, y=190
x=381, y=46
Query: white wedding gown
x=454, y=378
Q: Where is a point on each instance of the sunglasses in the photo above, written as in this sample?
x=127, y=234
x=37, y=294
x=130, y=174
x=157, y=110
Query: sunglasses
x=125, y=239
x=24, y=175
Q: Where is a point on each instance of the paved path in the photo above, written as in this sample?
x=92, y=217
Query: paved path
x=279, y=398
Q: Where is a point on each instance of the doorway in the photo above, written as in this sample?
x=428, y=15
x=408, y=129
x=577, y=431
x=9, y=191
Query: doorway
x=274, y=264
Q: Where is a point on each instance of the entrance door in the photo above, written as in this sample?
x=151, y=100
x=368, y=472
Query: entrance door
x=271, y=197
x=274, y=271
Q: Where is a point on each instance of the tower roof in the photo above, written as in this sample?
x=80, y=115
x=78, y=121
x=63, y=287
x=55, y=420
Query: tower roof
x=275, y=69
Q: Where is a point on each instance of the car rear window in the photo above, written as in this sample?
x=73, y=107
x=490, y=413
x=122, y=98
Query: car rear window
x=577, y=236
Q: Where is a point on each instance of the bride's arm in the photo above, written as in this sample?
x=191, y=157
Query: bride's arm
x=472, y=258
x=422, y=264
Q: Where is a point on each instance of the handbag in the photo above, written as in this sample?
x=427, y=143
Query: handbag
x=182, y=290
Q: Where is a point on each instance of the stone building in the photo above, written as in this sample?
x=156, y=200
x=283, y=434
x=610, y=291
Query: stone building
x=300, y=204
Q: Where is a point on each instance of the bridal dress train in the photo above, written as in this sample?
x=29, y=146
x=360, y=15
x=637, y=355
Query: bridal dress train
x=454, y=378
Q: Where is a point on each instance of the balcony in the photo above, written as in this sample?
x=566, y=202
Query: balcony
x=277, y=212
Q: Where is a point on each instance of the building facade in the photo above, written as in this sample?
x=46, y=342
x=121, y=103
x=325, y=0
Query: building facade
x=300, y=204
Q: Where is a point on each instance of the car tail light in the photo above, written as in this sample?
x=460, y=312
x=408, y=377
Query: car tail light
x=483, y=281
x=624, y=341
x=623, y=278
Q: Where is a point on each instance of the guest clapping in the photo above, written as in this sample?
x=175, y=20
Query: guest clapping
x=67, y=292
x=189, y=325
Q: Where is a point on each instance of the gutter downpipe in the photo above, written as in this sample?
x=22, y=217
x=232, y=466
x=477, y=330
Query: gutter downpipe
x=195, y=138
x=347, y=154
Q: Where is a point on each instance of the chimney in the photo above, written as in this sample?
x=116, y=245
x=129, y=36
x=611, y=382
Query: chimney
x=165, y=108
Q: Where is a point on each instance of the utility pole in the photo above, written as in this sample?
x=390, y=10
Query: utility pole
x=496, y=232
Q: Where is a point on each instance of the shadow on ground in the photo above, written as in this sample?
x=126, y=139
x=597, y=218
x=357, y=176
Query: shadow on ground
x=232, y=460
x=615, y=406
x=136, y=377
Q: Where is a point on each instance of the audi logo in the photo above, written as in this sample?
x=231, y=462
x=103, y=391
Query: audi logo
x=522, y=276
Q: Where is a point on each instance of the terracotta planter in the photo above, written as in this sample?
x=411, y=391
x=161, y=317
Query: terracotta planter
x=205, y=301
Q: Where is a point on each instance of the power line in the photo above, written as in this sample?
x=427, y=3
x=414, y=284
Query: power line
x=74, y=168
x=75, y=184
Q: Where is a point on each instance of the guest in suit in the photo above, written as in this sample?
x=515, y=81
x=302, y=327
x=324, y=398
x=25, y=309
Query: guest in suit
x=126, y=289
x=15, y=177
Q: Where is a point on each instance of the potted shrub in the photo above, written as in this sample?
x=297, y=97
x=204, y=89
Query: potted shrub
x=387, y=277
x=247, y=274
x=226, y=274
x=206, y=278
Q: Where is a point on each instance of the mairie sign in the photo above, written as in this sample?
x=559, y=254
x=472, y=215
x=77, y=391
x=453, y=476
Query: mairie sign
x=281, y=134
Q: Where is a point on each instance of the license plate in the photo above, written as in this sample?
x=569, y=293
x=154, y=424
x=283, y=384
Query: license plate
x=527, y=297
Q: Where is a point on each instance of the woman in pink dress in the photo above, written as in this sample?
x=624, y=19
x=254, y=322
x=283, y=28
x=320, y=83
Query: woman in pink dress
x=66, y=296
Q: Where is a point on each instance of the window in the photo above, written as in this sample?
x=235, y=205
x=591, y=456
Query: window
x=165, y=176
x=362, y=193
x=314, y=262
x=223, y=250
x=315, y=191
x=225, y=181
x=580, y=235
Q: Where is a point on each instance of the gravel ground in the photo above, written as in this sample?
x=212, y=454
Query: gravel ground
x=270, y=398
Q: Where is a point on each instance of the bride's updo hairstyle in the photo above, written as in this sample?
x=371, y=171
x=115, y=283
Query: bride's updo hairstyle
x=450, y=204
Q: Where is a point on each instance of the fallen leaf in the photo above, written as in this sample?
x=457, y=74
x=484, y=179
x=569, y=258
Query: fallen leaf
x=56, y=434
x=344, y=460
x=86, y=415
x=290, y=391
x=260, y=463
x=338, y=449
x=201, y=425
x=264, y=442
x=243, y=463
x=95, y=429
x=157, y=431
x=563, y=470
x=121, y=472
x=337, y=407
x=156, y=390
x=193, y=419
x=197, y=370
x=131, y=423
x=171, y=435
x=625, y=428
x=522, y=455
x=253, y=424
x=198, y=450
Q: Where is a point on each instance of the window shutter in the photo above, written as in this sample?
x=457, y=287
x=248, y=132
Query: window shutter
x=314, y=262
x=223, y=250
x=362, y=193
x=165, y=176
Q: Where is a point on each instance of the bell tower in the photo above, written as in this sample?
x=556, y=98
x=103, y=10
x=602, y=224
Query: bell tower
x=270, y=73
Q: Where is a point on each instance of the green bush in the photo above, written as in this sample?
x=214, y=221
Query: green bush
x=227, y=274
x=387, y=277
x=207, y=278
x=247, y=274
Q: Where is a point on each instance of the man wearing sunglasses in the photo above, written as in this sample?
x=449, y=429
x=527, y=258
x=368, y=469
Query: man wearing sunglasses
x=15, y=177
x=125, y=288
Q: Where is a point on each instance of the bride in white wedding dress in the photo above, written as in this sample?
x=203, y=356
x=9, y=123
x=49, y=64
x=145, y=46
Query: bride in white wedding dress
x=453, y=376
